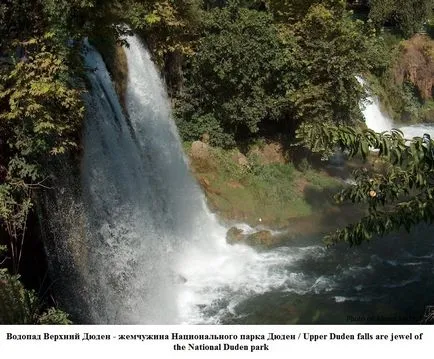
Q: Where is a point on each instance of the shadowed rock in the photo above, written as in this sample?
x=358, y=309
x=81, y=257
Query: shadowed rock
x=262, y=238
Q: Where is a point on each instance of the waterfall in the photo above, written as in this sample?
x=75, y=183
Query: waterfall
x=145, y=249
x=149, y=229
x=375, y=119
x=154, y=252
x=378, y=121
x=127, y=185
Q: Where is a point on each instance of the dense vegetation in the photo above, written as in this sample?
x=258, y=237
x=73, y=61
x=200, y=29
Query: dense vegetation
x=237, y=70
x=265, y=73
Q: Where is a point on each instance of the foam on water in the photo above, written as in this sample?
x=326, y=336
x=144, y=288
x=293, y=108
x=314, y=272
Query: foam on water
x=378, y=121
x=417, y=130
x=375, y=119
x=156, y=254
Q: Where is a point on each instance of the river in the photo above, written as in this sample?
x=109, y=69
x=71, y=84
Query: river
x=154, y=253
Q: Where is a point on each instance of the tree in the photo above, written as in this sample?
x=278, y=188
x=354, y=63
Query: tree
x=239, y=55
x=21, y=306
x=40, y=117
x=407, y=15
x=76, y=19
x=18, y=20
x=272, y=72
x=170, y=29
x=290, y=11
x=400, y=196
x=40, y=113
x=329, y=51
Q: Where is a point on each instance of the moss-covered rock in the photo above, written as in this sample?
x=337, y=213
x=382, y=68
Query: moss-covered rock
x=235, y=235
x=261, y=238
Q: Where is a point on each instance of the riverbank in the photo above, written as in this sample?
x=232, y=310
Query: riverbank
x=405, y=90
x=265, y=189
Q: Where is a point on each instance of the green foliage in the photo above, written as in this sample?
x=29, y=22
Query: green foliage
x=304, y=166
x=194, y=126
x=75, y=19
x=331, y=50
x=254, y=190
x=273, y=186
x=411, y=103
x=38, y=97
x=41, y=112
x=17, y=305
x=54, y=316
x=239, y=56
x=21, y=306
x=40, y=116
x=426, y=113
x=265, y=72
x=249, y=188
x=271, y=176
x=19, y=19
x=15, y=205
x=407, y=15
x=404, y=86
x=168, y=26
x=292, y=11
x=399, y=196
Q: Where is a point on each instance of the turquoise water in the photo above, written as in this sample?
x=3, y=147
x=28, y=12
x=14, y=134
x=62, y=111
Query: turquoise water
x=386, y=281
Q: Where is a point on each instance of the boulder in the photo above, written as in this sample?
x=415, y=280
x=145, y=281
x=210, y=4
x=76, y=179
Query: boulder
x=235, y=235
x=199, y=150
x=269, y=153
x=240, y=159
x=262, y=238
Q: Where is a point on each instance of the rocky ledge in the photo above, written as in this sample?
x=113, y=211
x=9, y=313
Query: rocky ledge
x=261, y=238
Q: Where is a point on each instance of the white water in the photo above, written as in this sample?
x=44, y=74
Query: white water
x=417, y=130
x=375, y=119
x=157, y=254
x=154, y=253
x=122, y=227
x=378, y=121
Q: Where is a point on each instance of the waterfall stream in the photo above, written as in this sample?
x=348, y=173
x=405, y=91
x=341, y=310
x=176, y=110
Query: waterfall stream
x=378, y=121
x=154, y=254
x=127, y=185
x=158, y=255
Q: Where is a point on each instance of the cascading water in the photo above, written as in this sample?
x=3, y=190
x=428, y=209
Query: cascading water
x=126, y=182
x=378, y=121
x=375, y=119
x=147, y=217
x=417, y=130
x=154, y=254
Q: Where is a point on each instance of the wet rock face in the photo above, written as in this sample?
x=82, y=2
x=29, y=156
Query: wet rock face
x=262, y=238
x=235, y=235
